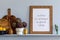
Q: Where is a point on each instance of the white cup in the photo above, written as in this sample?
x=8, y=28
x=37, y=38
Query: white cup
x=19, y=31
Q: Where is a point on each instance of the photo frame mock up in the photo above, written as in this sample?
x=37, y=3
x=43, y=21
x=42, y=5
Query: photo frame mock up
x=40, y=20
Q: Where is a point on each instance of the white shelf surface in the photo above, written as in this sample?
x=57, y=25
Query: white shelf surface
x=30, y=35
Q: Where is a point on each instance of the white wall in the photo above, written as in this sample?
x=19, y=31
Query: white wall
x=20, y=8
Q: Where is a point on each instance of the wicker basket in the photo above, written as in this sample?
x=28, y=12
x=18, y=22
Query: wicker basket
x=8, y=20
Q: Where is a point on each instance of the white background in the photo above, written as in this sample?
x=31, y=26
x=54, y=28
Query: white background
x=20, y=8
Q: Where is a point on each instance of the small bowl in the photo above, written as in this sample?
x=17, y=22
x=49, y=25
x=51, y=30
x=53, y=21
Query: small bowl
x=3, y=32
